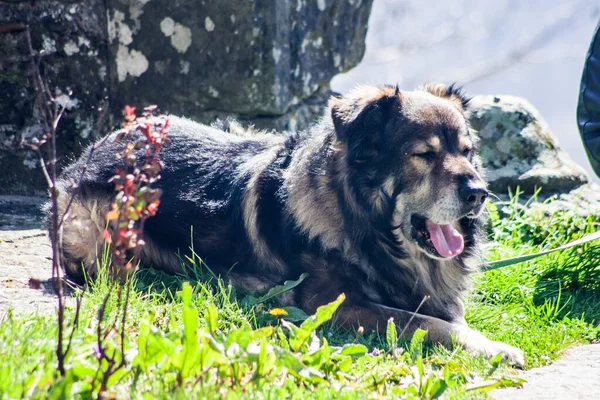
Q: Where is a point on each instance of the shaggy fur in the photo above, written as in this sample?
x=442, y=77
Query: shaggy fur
x=350, y=201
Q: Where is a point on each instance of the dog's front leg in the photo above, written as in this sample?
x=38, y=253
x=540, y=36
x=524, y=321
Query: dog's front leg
x=375, y=317
x=475, y=342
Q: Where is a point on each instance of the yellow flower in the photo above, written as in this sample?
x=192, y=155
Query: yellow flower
x=278, y=312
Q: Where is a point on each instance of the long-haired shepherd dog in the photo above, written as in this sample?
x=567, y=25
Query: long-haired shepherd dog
x=382, y=200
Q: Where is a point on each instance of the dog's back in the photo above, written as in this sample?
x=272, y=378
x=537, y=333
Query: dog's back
x=204, y=178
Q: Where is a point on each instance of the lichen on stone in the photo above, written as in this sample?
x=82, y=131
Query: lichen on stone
x=130, y=62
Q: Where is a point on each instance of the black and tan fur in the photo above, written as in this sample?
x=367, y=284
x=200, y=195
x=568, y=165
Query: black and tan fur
x=344, y=201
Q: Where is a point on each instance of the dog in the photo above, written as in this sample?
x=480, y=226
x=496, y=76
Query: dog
x=383, y=199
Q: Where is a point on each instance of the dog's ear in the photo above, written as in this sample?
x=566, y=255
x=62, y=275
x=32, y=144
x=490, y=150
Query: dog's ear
x=454, y=93
x=360, y=119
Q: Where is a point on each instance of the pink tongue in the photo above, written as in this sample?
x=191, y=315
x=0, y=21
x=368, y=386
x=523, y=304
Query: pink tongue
x=447, y=241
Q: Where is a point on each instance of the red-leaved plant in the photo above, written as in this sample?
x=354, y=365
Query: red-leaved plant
x=136, y=199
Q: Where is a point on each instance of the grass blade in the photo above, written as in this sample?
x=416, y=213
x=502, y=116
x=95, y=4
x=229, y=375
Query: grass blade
x=279, y=289
x=519, y=259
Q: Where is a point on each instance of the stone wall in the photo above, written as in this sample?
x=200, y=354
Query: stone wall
x=264, y=62
x=71, y=36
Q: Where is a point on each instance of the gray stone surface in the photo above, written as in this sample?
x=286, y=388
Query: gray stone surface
x=267, y=63
x=576, y=376
x=72, y=38
x=584, y=200
x=518, y=148
x=238, y=57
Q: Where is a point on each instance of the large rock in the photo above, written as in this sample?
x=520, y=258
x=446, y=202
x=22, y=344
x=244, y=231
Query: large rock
x=582, y=201
x=257, y=60
x=518, y=148
x=267, y=63
x=72, y=38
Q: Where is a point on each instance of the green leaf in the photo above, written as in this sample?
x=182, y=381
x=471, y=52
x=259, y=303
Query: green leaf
x=292, y=329
x=295, y=314
x=290, y=362
x=117, y=376
x=447, y=372
x=157, y=345
x=242, y=336
x=211, y=353
x=283, y=340
x=276, y=291
x=262, y=359
x=391, y=334
x=81, y=372
x=189, y=353
x=416, y=343
x=354, y=350
x=190, y=327
x=186, y=293
x=208, y=357
x=492, y=384
x=323, y=314
x=214, y=344
x=420, y=369
x=345, y=364
x=249, y=300
x=63, y=387
x=438, y=388
x=495, y=363
x=320, y=357
x=141, y=358
x=210, y=315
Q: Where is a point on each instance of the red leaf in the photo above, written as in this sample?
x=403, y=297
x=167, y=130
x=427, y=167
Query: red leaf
x=106, y=236
x=129, y=113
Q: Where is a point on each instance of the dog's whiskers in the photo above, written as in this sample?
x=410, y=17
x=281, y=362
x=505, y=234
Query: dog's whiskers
x=495, y=196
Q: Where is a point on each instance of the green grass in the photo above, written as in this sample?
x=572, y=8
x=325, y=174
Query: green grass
x=204, y=340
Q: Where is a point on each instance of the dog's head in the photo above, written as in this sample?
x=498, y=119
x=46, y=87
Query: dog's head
x=411, y=159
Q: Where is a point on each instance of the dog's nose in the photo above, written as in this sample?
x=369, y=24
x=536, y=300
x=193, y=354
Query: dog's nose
x=473, y=194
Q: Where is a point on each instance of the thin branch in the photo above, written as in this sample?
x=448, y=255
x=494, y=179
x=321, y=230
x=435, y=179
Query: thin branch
x=44, y=169
x=50, y=120
x=414, y=314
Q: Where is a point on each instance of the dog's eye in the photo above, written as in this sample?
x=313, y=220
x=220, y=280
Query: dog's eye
x=427, y=156
x=467, y=152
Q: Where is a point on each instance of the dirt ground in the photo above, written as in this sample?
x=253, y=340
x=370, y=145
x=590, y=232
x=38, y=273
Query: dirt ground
x=24, y=257
x=26, y=286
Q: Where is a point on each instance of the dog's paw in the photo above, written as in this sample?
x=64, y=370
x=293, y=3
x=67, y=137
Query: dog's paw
x=510, y=354
x=476, y=343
